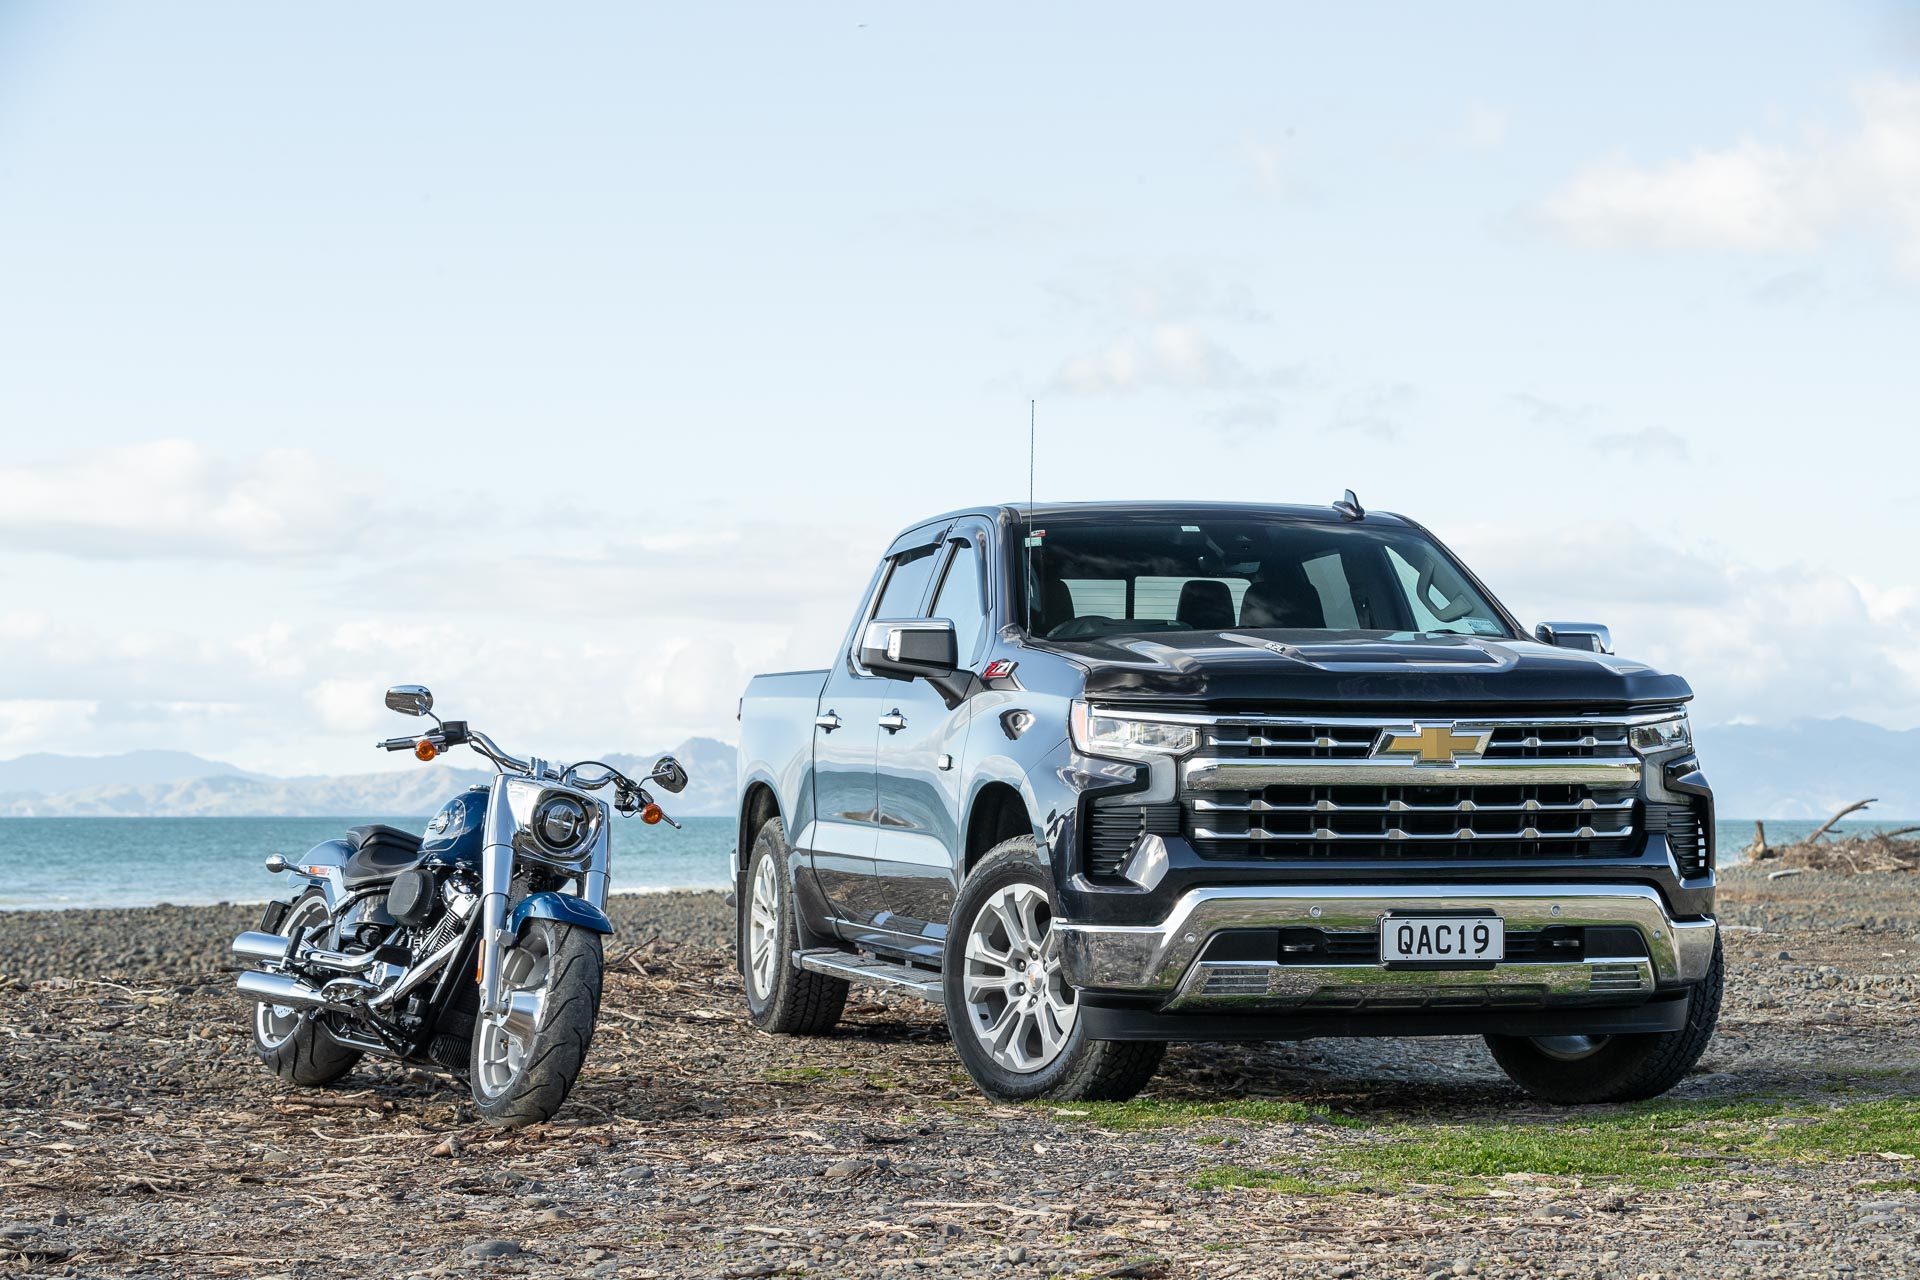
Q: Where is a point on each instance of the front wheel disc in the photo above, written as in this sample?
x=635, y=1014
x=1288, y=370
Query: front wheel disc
x=1018, y=1002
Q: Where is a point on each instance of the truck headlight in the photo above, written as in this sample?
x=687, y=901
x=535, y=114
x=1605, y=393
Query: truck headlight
x=1666, y=734
x=1095, y=734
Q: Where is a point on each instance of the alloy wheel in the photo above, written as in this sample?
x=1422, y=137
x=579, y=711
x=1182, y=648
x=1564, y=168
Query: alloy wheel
x=1018, y=1001
x=506, y=1037
x=274, y=1024
x=763, y=928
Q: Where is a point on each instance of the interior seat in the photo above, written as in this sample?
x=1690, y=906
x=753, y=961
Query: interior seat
x=1056, y=606
x=379, y=853
x=1206, y=605
x=1285, y=598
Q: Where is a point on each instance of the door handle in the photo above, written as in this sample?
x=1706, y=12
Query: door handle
x=826, y=723
x=893, y=721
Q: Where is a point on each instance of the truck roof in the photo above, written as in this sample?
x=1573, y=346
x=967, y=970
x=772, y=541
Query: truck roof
x=1136, y=509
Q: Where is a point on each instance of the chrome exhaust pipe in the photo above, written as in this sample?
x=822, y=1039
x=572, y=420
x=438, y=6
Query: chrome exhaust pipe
x=278, y=988
x=260, y=948
x=291, y=992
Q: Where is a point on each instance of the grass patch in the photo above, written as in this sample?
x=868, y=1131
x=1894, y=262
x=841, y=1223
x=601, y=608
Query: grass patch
x=1650, y=1146
x=1153, y=1113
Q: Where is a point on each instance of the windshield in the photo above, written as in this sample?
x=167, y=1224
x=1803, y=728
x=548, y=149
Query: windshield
x=1089, y=580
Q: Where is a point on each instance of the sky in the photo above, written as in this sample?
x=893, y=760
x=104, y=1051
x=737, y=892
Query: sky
x=580, y=363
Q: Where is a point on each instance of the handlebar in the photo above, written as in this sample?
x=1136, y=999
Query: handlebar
x=629, y=796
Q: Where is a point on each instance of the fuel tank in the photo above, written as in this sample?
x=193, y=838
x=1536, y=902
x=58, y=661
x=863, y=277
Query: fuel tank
x=454, y=835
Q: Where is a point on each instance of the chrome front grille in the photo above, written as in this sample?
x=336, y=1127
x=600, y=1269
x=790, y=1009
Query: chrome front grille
x=1280, y=790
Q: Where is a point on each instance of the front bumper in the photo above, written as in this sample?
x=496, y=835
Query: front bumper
x=1167, y=966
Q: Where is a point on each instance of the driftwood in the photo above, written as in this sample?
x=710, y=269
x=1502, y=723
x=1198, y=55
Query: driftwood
x=1876, y=851
x=1828, y=825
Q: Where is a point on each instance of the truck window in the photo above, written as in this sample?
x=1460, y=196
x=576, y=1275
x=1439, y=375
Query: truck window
x=959, y=599
x=906, y=586
x=1216, y=572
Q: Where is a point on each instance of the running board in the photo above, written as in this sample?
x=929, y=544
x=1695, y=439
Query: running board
x=871, y=971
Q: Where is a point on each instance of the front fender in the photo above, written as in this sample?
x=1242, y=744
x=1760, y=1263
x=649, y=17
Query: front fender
x=562, y=908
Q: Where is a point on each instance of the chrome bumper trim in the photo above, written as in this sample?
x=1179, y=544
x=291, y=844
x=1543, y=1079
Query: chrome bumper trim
x=1268, y=985
x=1206, y=773
x=1155, y=959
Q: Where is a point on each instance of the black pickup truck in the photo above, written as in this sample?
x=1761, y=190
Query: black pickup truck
x=1101, y=776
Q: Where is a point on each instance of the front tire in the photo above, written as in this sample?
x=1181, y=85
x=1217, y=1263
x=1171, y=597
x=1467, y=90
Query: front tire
x=291, y=1041
x=782, y=998
x=1578, y=1070
x=1015, y=1019
x=527, y=1056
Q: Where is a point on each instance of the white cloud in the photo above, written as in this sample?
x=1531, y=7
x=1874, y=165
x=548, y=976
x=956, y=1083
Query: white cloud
x=1646, y=444
x=1167, y=355
x=1758, y=196
x=1758, y=642
x=178, y=498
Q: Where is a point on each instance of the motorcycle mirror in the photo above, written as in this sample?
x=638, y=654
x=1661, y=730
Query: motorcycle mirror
x=410, y=699
x=668, y=773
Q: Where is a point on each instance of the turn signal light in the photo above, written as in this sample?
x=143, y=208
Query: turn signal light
x=651, y=814
x=425, y=750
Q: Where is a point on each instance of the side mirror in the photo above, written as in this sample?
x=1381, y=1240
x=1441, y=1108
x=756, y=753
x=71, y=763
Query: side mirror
x=668, y=773
x=410, y=699
x=910, y=647
x=1590, y=636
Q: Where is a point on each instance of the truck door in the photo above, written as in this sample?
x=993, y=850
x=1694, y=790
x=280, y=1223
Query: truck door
x=845, y=741
x=922, y=741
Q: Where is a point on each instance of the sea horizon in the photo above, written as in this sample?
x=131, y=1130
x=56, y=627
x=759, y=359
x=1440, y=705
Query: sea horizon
x=101, y=863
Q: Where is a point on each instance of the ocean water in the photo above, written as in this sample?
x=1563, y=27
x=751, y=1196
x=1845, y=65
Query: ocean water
x=132, y=862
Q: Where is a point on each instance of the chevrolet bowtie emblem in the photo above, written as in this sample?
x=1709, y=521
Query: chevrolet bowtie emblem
x=1433, y=743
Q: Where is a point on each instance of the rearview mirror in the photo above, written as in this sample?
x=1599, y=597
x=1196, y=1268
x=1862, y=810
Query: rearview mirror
x=1590, y=636
x=410, y=699
x=910, y=647
x=668, y=773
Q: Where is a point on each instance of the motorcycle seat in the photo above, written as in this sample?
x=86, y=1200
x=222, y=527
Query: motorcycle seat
x=379, y=853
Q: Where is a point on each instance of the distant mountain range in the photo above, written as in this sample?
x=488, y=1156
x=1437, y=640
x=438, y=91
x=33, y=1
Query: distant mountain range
x=1811, y=768
x=1800, y=769
x=127, y=786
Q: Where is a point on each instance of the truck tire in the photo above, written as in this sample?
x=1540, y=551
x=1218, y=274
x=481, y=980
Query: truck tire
x=1014, y=1019
x=781, y=997
x=1580, y=1069
x=292, y=1043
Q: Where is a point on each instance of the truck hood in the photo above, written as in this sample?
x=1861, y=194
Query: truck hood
x=1245, y=669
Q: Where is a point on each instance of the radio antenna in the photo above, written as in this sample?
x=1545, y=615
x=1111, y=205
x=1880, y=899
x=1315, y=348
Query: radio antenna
x=1031, y=416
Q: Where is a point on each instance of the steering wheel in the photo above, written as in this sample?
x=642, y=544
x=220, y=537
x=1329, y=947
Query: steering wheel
x=1077, y=628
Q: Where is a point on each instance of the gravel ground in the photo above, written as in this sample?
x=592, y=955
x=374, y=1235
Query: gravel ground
x=138, y=1136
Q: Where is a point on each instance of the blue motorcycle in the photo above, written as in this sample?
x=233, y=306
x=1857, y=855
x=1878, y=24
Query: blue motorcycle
x=476, y=948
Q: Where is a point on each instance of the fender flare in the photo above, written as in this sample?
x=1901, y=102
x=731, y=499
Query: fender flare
x=563, y=908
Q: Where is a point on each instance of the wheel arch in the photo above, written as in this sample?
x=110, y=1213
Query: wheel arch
x=757, y=805
x=998, y=813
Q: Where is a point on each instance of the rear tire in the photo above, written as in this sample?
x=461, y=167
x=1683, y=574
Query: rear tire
x=1577, y=1070
x=526, y=1059
x=1014, y=1019
x=292, y=1042
x=781, y=997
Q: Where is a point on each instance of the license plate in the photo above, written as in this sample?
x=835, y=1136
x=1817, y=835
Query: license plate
x=1442, y=939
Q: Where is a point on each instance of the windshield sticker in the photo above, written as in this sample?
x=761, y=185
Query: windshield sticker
x=1482, y=627
x=1033, y=539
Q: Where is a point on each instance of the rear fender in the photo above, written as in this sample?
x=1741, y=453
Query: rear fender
x=561, y=908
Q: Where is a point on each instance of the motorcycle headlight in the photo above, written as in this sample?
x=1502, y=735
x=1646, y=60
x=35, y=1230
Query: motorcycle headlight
x=1103, y=735
x=561, y=822
x=1665, y=734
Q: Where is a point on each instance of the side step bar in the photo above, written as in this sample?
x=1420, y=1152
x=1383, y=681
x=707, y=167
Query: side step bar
x=871, y=971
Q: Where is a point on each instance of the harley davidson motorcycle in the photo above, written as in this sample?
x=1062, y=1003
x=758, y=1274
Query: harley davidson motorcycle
x=476, y=948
